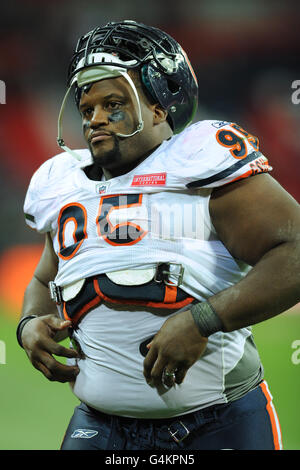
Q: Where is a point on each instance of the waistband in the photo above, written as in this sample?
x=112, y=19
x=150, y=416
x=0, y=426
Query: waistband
x=178, y=427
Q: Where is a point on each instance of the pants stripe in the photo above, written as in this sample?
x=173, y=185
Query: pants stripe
x=273, y=416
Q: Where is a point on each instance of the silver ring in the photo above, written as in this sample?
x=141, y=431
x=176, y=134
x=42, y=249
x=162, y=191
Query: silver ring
x=169, y=374
x=166, y=378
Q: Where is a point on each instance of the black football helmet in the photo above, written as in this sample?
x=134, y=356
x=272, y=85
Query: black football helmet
x=165, y=70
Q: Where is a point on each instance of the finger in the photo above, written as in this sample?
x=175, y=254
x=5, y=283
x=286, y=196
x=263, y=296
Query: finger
x=148, y=364
x=66, y=374
x=39, y=366
x=156, y=375
x=44, y=370
x=64, y=324
x=56, y=323
x=46, y=343
x=59, y=350
x=180, y=375
x=57, y=371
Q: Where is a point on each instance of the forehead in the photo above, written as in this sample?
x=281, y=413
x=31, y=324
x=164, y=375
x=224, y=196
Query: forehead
x=104, y=88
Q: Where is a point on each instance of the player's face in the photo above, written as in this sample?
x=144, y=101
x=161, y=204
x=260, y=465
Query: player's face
x=107, y=108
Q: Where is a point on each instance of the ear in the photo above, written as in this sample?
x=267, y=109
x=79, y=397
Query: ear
x=159, y=114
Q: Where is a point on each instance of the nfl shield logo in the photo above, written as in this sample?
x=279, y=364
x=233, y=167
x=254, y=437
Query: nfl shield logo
x=101, y=188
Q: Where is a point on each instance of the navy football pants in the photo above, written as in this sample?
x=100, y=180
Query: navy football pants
x=249, y=423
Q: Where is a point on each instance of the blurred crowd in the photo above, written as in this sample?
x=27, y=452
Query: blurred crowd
x=245, y=55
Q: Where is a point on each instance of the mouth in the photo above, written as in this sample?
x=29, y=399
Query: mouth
x=99, y=137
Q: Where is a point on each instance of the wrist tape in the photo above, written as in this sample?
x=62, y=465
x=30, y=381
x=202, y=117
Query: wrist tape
x=206, y=319
x=20, y=327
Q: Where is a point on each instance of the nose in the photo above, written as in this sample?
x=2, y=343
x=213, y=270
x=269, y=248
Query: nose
x=99, y=117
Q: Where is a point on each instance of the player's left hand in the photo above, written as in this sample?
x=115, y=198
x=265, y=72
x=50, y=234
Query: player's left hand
x=175, y=348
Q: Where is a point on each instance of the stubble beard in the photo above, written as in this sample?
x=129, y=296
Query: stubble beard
x=106, y=158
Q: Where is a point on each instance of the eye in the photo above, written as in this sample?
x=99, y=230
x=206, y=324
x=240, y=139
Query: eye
x=113, y=105
x=87, y=112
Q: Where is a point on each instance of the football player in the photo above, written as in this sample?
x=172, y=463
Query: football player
x=165, y=242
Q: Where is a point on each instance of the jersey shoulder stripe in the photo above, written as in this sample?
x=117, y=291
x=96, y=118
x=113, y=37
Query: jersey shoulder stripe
x=225, y=173
x=217, y=153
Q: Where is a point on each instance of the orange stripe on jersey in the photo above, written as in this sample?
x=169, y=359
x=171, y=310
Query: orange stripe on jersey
x=170, y=294
x=144, y=303
x=85, y=309
x=256, y=168
x=276, y=430
x=244, y=175
x=169, y=302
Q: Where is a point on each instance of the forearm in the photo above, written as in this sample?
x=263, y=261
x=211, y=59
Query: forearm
x=271, y=287
x=37, y=302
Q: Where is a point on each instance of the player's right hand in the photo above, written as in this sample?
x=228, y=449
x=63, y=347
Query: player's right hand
x=38, y=342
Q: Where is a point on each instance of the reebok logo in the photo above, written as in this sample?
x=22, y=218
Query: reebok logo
x=84, y=434
x=154, y=179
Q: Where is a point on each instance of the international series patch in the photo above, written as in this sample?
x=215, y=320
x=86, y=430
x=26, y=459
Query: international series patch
x=154, y=179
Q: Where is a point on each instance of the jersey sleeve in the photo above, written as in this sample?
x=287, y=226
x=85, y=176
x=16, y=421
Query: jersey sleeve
x=221, y=153
x=41, y=202
x=40, y=199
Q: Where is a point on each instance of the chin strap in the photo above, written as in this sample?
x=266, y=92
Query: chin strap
x=60, y=140
x=140, y=125
x=83, y=82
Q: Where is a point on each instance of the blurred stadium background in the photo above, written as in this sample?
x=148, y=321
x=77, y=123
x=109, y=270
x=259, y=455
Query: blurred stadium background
x=246, y=57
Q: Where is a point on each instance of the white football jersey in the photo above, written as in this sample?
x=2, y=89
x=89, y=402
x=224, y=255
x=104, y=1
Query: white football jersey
x=158, y=212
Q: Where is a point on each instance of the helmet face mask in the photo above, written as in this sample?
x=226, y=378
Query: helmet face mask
x=165, y=71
